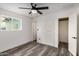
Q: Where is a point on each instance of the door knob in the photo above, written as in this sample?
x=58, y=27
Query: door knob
x=74, y=37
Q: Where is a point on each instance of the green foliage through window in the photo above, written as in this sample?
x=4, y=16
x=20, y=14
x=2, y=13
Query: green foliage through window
x=10, y=23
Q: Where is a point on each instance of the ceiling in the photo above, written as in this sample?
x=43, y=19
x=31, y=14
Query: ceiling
x=53, y=7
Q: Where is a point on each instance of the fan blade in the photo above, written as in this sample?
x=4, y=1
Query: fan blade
x=30, y=12
x=24, y=8
x=41, y=8
x=39, y=12
x=32, y=5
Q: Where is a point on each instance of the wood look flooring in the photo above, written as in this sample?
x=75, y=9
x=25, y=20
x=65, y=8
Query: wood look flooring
x=36, y=49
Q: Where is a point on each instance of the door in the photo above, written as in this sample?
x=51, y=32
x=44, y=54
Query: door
x=34, y=31
x=78, y=35
x=73, y=34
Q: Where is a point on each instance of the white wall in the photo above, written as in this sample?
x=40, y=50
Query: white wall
x=46, y=33
x=10, y=39
x=48, y=26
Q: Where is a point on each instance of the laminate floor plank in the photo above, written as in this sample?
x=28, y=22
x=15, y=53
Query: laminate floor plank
x=36, y=49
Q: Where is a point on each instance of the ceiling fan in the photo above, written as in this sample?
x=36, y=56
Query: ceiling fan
x=34, y=8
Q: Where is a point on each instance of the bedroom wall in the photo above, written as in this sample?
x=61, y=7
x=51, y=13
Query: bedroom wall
x=48, y=26
x=10, y=39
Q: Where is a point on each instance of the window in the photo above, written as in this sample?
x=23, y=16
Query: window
x=10, y=23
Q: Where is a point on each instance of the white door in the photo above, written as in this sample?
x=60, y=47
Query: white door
x=73, y=34
x=40, y=32
x=34, y=31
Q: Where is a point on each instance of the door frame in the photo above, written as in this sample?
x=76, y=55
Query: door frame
x=77, y=35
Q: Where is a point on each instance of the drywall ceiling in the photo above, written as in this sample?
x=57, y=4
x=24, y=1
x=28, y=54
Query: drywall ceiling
x=53, y=7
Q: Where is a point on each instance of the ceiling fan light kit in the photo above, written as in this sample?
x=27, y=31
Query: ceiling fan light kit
x=34, y=11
